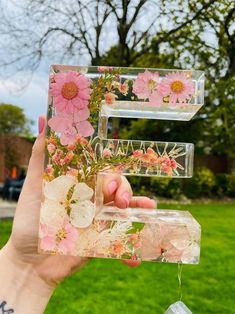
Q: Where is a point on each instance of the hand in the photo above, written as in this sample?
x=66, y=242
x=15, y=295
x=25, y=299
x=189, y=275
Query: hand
x=22, y=246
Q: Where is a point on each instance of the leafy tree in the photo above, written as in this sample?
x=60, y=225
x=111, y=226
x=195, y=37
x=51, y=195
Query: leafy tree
x=13, y=120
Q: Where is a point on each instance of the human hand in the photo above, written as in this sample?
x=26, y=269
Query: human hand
x=22, y=248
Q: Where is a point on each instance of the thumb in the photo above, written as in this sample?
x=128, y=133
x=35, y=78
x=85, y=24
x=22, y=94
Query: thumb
x=33, y=181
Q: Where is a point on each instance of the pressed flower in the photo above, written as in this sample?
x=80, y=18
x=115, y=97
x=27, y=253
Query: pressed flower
x=177, y=86
x=82, y=141
x=71, y=92
x=51, y=148
x=155, y=99
x=138, y=153
x=117, y=248
x=110, y=98
x=145, y=84
x=71, y=125
x=59, y=238
x=65, y=192
x=107, y=153
x=123, y=88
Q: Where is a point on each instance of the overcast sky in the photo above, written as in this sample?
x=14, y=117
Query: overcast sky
x=33, y=99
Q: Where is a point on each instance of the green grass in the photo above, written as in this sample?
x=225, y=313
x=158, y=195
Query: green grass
x=107, y=286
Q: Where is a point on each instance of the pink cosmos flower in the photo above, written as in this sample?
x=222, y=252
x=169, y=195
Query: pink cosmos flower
x=155, y=99
x=145, y=84
x=71, y=91
x=70, y=125
x=61, y=238
x=177, y=86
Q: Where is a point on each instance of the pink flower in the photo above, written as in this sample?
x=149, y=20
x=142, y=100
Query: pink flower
x=107, y=153
x=57, y=156
x=72, y=172
x=102, y=69
x=145, y=84
x=71, y=91
x=51, y=148
x=155, y=99
x=167, y=165
x=68, y=157
x=138, y=153
x=49, y=169
x=60, y=239
x=71, y=125
x=123, y=88
x=82, y=141
x=110, y=98
x=177, y=86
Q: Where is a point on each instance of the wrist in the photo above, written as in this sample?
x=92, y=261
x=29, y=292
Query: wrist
x=21, y=287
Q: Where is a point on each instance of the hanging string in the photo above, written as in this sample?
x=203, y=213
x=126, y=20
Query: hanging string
x=180, y=267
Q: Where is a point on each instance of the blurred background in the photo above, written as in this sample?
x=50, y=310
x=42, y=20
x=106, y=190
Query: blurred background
x=198, y=34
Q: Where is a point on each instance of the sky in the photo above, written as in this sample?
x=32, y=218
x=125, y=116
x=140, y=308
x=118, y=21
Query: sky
x=33, y=100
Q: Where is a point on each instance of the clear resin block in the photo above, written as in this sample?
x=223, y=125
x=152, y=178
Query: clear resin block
x=147, y=158
x=74, y=220
x=146, y=92
x=149, y=235
x=178, y=308
x=167, y=236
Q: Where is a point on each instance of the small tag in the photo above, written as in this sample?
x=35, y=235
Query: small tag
x=178, y=308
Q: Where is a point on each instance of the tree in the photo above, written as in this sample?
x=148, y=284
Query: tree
x=13, y=120
x=67, y=32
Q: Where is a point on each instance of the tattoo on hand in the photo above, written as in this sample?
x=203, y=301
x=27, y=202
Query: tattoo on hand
x=3, y=309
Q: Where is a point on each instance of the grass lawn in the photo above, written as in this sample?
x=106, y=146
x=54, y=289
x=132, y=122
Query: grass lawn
x=107, y=286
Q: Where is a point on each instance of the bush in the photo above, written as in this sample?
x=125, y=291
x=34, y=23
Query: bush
x=221, y=184
x=166, y=187
x=231, y=184
x=201, y=184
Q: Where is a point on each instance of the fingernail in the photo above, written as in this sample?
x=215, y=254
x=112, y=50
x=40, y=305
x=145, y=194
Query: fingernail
x=126, y=197
x=41, y=124
x=112, y=186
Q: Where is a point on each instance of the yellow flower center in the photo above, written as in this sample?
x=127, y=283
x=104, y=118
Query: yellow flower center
x=61, y=234
x=152, y=84
x=177, y=87
x=66, y=203
x=69, y=90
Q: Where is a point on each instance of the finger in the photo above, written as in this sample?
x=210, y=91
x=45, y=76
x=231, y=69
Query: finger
x=142, y=202
x=131, y=263
x=110, y=184
x=116, y=188
x=123, y=194
x=33, y=181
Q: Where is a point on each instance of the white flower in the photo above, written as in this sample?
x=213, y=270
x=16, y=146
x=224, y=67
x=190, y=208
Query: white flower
x=191, y=254
x=57, y=202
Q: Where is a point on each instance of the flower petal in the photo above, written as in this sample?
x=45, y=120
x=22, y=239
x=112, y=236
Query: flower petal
x=52, y=213
x=82, y=214
x=59, y=123
x=58, y=188
x=47, y=243
x=81, y=115
x=85, y=129
x=82, y=192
